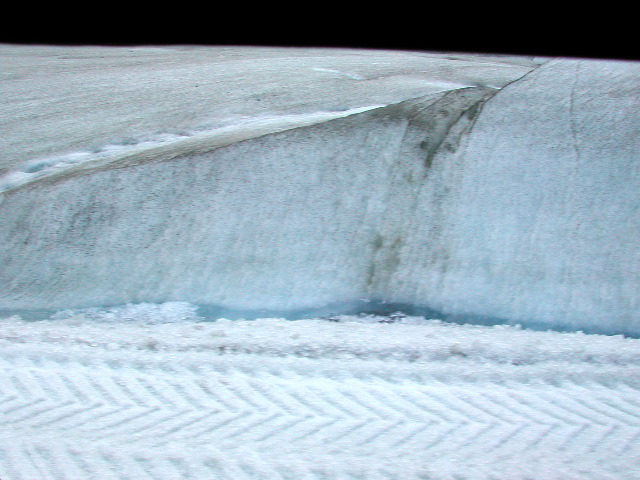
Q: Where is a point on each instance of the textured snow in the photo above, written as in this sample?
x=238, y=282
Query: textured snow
x=151, y=391
x=176, y=327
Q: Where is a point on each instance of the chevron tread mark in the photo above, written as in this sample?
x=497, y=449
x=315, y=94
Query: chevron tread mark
x=101, y=419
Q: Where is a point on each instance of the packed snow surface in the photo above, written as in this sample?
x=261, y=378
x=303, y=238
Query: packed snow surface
x=153, y=391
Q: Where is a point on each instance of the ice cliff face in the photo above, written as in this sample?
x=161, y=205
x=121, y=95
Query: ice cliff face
x=511, y=195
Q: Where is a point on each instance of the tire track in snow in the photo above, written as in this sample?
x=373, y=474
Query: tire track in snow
x=90, y=413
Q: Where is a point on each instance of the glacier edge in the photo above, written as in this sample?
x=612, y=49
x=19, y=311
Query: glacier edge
x=476, y=203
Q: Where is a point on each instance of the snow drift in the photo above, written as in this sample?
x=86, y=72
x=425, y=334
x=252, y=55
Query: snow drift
x=509, y=197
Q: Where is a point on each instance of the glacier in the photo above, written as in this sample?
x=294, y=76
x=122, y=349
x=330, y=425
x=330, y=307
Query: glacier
x=257, y=182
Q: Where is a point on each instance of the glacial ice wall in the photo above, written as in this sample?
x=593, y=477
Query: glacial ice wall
x=517, y=202
x=546, y=226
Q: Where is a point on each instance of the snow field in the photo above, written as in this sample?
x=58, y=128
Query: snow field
x=152, y=391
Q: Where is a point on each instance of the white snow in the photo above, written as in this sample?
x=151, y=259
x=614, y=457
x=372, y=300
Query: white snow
x=151, y=391
x=177, y=327
x=353, y=76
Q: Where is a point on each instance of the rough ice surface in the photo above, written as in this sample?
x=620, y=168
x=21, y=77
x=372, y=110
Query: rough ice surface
x=177, y=327
x=301, y=182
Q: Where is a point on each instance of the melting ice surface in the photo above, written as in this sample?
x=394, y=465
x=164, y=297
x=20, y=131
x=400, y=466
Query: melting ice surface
x=361, y=311
x=38, y=168
x=180, y=327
